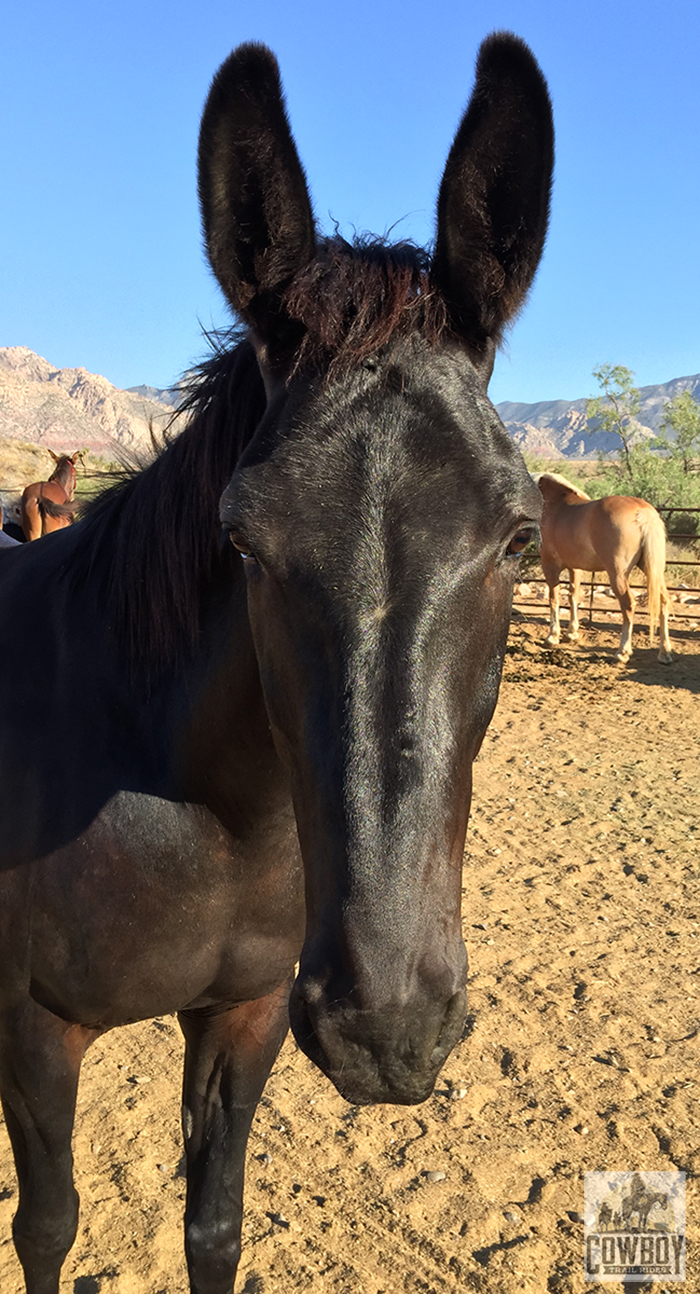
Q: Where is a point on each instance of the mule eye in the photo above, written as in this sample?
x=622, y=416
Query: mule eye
x=242, y=547
x=520, y=541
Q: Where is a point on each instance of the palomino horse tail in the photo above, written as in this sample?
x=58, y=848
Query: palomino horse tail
x=653, y=563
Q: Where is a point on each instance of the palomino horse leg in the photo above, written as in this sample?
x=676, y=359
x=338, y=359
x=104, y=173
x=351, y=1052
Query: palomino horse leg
x=551, y=575
x=665, y=653
x=571, y=635
x=40, y=1059
x=620, y=587
x=229, y=1056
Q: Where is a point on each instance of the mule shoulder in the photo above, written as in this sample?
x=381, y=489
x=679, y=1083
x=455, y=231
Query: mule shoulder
x=230, y=931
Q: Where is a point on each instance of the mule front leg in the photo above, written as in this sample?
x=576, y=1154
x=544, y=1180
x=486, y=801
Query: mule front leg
x=228, y=1058
x=40, y=1058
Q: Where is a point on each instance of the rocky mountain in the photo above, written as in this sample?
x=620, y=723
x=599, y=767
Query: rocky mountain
x=161, y=395
x=69, y=408
x=560, y=429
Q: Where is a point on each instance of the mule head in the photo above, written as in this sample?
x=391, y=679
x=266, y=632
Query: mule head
x=379, y=511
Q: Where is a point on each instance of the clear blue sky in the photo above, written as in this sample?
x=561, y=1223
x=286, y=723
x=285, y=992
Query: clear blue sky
x=101, y=262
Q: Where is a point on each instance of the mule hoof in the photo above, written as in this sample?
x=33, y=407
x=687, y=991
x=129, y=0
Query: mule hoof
x=623, y=657
x=552, y=640
x=571, y=637
x=665, y=657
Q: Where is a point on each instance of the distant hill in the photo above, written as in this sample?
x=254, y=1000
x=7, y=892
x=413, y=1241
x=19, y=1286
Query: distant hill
x=560, y=429
x=69, y=408
x=161, y=395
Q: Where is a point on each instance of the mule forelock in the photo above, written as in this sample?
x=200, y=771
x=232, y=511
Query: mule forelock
x=353, y=298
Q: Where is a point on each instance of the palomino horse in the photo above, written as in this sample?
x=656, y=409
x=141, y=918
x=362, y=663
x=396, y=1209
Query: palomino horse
x=44, y=504
x=614, y=534
x=266, y=745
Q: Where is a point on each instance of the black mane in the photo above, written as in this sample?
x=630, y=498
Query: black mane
x=153, y=540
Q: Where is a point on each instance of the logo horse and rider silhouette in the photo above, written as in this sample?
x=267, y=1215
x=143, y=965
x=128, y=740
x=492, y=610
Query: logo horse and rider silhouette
x=638, y=1203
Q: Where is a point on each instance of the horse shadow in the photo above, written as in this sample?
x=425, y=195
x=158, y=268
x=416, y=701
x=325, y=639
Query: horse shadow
x=682, y=675
x=598, y=648
x=93, y=1284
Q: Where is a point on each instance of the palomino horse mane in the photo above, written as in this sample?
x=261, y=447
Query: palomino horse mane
x=567, y=487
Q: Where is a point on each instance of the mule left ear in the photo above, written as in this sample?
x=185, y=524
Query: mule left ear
x=256, y=212
x=493, y=205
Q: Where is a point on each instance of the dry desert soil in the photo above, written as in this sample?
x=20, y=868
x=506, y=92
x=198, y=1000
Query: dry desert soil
x=582, y=919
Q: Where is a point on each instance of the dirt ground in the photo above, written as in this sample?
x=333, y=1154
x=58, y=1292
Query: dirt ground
x=582, y=918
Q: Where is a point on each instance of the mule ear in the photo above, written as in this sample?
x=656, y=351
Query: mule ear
x=54, y=456
x=493, y=204
x=256, y=212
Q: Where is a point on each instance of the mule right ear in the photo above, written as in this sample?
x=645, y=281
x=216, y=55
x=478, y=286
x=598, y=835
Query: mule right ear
x=256, y=212
x=493, y=205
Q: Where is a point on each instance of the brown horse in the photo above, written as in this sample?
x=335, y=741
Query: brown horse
x=613, y=534
x=43, y=507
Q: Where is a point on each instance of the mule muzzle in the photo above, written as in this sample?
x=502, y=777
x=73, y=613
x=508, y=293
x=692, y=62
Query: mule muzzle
x=392, y=1054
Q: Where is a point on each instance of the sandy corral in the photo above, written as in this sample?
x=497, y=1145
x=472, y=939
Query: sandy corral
x=582, y=917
